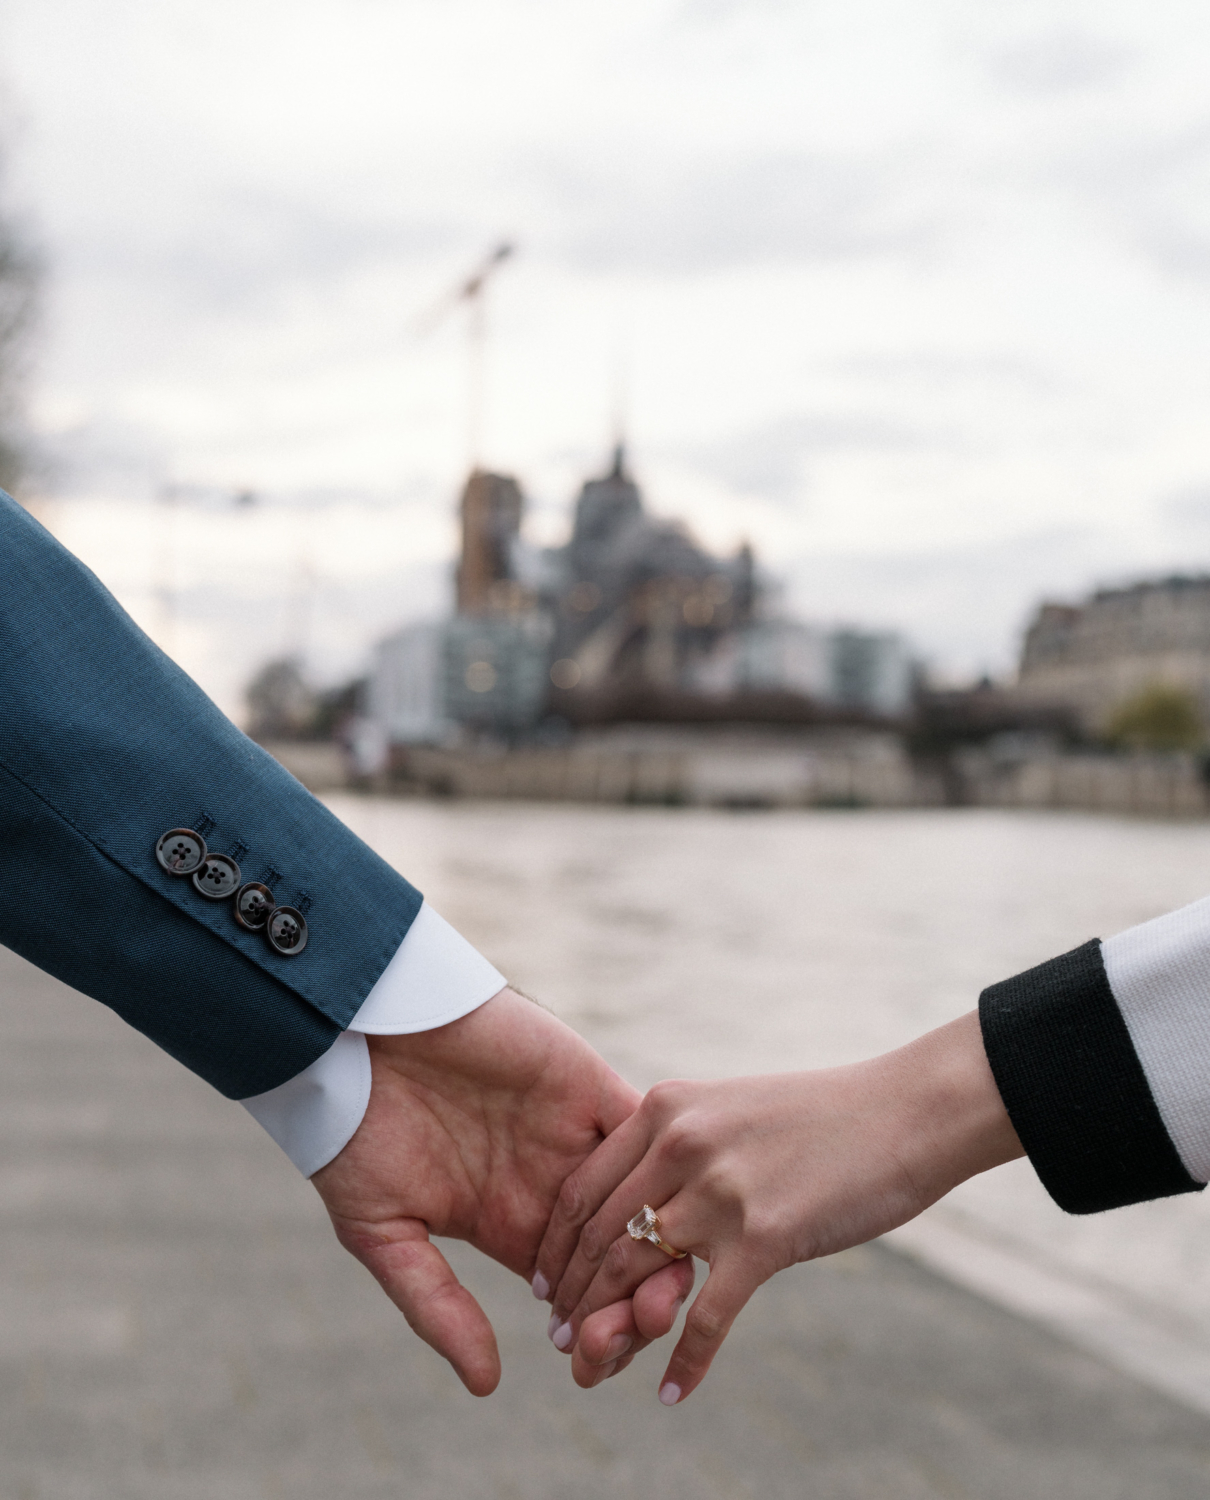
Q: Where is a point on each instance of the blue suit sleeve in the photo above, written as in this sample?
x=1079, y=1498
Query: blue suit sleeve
x=105, y=744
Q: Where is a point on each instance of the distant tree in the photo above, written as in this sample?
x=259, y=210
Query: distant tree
x=1161, y=716
x=336, y=706
x=20, y=280
x=281, y=706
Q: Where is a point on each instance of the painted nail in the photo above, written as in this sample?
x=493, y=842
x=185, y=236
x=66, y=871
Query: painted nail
x=620, y=1344
x=551, y=1326
x=541, y=1287
x=670, y=1394
x=605, y=1372
x=562, y=1336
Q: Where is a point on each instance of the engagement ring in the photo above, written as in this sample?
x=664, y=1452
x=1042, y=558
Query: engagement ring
x=646, y=1226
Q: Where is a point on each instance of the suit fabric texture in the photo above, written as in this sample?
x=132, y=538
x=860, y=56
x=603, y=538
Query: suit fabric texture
x=105, y=744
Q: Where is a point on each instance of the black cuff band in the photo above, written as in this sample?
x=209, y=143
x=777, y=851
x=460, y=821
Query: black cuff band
x=1074, y=1088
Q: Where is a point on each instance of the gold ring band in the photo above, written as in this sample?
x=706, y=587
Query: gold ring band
x=646, y=1226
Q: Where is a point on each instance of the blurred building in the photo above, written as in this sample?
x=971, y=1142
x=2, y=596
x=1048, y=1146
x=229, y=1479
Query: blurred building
x=407, y=685
x=496, y=670
x=869, y=671
x=631, y=617
x=490, y=512
x=486, y=672
x=636, y=600
x=1098, y=655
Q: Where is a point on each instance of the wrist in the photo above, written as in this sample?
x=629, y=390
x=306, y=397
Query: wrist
x=955, y=1124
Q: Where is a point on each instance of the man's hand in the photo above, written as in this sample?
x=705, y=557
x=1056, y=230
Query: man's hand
x=470, y=1132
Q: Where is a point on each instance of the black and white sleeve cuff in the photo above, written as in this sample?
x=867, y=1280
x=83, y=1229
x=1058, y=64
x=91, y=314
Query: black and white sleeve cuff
x=1072, y=1047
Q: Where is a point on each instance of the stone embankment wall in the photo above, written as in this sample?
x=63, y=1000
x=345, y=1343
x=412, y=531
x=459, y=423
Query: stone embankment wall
x=851, y=771
x=1159, y=785
x=835, y=769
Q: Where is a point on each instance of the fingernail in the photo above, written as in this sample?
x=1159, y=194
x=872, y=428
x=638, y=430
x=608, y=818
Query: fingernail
x=670, y=1394
x=676, y=1307
x=551, y=1326
x=541, y=1287
x=605, y=1372
x=620, y=1344
x=562, y=1336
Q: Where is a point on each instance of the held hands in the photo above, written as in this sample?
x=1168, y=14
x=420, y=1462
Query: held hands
x=485, y=1130
x=752, y=1175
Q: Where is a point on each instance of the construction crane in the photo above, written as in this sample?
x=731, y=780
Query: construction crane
x=470, y=291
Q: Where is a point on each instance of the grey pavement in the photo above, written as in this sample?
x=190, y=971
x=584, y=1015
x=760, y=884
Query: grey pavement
x=177, y=1322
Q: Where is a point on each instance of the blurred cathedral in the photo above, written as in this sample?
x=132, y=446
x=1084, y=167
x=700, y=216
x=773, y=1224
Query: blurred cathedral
x=632, y=618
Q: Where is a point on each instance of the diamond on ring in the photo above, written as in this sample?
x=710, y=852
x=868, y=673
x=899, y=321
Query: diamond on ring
x=644, y=1226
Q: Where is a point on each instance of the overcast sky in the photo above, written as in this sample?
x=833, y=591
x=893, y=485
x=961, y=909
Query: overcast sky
x=915, y=296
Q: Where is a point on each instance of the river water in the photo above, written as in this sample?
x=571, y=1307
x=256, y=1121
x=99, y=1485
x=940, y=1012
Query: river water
x=699, y=943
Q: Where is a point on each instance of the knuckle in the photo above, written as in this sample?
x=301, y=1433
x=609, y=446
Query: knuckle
x=665, y=1098
x=571, y=1199
x=723, y=1184
x=660, y=1094
x=593, y=1243
x=615, y=1263
x=704, y=1324
x=686, y=1138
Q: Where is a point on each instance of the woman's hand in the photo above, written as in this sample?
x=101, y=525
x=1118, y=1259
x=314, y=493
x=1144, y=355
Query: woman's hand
x=755, y=1174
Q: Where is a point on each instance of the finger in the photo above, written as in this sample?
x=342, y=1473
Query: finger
x=602, y=1373
x=648, y=1315
x=420, y=1282
x=606, y=1258
x=582, y=1194
x=615, y=1335
x=707, y=1324
x=626, y=1265
x=624, y=1329
x=617, y=1103
x=658, y=1301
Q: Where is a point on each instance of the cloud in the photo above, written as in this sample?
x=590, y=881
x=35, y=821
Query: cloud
x=1150, y=191
x=941, y=369
x=231, y=247
x=797, y=206
x=696, y=12
x=1187, y=508
x=1059, y=62
x=102, y=452
x=774, y=459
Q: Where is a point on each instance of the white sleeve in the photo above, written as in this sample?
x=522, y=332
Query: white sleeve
x=434, y=977
x=1159, y=973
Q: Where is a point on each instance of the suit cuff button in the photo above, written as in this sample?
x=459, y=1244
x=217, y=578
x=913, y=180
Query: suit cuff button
x=253, y=905
x=286, y=930
x=180, y=851
x=218, y=877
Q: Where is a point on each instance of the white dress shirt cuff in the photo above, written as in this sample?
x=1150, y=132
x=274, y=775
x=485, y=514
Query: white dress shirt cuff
x=434, y=977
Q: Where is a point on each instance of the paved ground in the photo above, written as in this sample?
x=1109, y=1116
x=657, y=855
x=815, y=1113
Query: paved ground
x=176, y=1323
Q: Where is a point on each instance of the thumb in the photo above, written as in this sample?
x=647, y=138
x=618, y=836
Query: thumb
x=421, y=1283
x=618, y=1100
